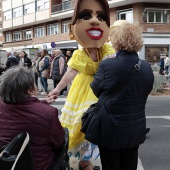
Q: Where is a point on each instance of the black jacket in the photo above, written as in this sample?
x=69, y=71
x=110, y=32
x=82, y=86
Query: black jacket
x=27, y=62
x=121, y=122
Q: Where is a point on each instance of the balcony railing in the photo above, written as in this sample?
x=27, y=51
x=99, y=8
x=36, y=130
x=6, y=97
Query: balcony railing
x=66, y=6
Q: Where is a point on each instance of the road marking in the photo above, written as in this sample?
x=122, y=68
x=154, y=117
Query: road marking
x=158, y=117
x=59, y=107
x=140, y=167
x=57, y=100
x=165, y=126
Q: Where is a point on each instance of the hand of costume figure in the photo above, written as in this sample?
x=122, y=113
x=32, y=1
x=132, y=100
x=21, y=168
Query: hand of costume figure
x=51, y=99
x=55, y=92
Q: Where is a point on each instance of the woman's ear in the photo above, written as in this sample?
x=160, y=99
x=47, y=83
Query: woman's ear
x=71, y=27
x=30, y=92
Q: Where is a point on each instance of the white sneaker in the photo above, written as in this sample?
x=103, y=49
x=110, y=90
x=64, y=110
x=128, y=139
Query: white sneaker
x=44, y=93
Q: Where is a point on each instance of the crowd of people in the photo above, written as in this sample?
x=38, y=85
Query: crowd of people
x=44, y=65
x=119, y=127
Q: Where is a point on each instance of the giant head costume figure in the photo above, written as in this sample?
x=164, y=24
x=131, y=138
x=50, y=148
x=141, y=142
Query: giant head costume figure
x=90, y=23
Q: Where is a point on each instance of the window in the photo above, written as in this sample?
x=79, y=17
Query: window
x=52, y=29
x=126, y=15
x=29, y=8
x=65, y=27
x=8, y=37
x=8, y=15
x=16, y=36
x=42, y=4
x=152, y=54
x=155, y=15
x=27, y=34
x=39, y=31
x=17, y=12
x=66, y=5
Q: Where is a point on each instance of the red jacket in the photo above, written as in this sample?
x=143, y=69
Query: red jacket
x=41, y=122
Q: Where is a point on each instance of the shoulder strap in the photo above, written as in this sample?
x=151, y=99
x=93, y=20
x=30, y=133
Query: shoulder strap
x=23, y=137
x=21, y=150
x=137, y=68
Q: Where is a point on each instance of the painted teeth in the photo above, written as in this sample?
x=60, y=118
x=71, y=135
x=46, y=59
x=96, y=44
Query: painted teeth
x=94, y=33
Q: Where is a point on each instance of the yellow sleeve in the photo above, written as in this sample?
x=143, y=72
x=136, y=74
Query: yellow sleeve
x=106, y=50
x=78, y=61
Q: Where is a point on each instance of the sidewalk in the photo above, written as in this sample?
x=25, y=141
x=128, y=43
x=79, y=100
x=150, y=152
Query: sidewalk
x=161, y=84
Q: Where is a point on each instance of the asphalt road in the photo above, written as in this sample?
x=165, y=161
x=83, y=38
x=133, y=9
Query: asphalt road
x=155, y=152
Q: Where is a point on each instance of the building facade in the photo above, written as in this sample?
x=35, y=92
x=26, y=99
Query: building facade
x=1, y=36
x=43, y=23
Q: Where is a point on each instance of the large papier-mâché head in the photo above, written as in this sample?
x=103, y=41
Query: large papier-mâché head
x=90, y=23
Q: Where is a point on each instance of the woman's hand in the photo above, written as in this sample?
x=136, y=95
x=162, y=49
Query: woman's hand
x=55, y=92
x=67, y=78
x=51, y=99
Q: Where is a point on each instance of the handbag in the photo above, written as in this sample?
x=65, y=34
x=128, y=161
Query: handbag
x=94, y=108
x=17, y=154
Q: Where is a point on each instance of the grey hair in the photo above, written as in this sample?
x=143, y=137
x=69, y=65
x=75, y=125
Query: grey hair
x=15, y=83
x=57, y=51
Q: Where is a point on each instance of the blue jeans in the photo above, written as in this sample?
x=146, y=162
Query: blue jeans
x=36, y=79
x=44, y=82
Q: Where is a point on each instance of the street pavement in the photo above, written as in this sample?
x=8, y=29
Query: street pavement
x=154, y=154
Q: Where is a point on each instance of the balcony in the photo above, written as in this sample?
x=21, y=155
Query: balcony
x=63, y=7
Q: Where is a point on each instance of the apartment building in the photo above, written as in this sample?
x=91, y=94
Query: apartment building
x=30, y=24
x=1, y=37
x=44, y=24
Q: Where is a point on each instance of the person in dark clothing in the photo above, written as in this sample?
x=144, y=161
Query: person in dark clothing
x=161, y=64
x=17, y=56
x=25, y=61
x=11, y=60
x=121, y=122
x=21, y=111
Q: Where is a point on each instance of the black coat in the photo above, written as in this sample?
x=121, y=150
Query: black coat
x=27, y=62
x=121, y=122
